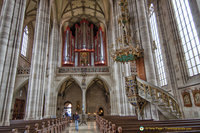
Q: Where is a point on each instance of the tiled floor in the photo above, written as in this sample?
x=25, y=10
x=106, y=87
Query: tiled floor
x=89, y=128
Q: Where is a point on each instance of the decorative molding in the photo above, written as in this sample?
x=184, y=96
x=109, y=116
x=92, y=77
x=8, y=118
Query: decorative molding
x=23, y=71
x=83, y=69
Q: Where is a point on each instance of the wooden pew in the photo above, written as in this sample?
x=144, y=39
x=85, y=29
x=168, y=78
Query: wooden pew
x=109, y=124
x=36, y=126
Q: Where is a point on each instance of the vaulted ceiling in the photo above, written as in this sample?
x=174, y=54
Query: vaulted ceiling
x=75, y=10
x=67, y=85
x=72, y=11
x=31, y=11
x=99, y=83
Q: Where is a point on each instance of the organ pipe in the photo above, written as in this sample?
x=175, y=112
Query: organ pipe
x=102, y=47
x=68, y=48
x=84, y=49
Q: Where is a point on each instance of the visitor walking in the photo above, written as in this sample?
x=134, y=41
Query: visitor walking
x=76, y=118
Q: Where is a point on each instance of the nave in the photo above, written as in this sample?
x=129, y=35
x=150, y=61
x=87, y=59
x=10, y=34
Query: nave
x=134, y=58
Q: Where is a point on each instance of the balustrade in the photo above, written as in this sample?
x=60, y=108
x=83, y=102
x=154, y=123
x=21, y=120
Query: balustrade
x=23, y=71
x=152, y=94
x=79, y=69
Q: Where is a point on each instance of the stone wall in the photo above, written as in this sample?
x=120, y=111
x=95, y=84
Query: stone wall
x=95, y=98
x=193, y=111
x=23, y=62
x=73, y=95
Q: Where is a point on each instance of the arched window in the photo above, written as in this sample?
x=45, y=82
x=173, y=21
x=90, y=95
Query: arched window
x=188, y=35
x=24, y=42
x=159, y=58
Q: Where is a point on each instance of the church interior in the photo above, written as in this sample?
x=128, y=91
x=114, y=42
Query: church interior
x=122, y=65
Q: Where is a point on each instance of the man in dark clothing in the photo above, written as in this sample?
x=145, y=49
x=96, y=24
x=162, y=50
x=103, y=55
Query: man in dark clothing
x=76, y=118
x=66, y=114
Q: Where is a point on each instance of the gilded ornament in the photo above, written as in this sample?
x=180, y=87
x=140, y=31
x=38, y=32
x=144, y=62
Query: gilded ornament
x=126, y=52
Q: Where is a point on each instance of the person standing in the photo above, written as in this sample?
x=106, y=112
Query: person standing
x=66, y=114
x=76, y=118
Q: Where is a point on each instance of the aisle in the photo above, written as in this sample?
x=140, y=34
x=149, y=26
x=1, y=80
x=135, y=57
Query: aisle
x=89, y=128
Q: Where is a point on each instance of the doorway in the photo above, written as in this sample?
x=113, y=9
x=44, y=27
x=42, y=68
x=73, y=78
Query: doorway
x=69, y=98
x=101, y=112
x=19, y=102
x=68, y=109
x=19, y=108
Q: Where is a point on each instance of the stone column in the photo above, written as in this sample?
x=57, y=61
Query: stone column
x=38, y=64
x=1, y=4
x=54, y=40
x=119, y=103
x=117, y=70
x=83, y=100
x=143, y=23
x=54, y=105
x=134, y=24
x=111, y=39
x=11, y=24
x=145, y=40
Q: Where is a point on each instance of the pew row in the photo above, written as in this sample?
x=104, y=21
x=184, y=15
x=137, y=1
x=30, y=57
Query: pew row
x=36, y=126
x=129, y=124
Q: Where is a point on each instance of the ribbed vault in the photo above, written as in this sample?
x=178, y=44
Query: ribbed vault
x=68, y=12
x=72, y=11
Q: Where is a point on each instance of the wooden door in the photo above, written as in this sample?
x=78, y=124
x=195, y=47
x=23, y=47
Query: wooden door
x=19, y=107
x=141, y=68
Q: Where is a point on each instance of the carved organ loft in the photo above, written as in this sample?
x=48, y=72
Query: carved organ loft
x=84, y=44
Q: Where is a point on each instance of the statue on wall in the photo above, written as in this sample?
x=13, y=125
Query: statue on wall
x=186, y=99
x=196, y=95
x=84, y=59
x=78, y=106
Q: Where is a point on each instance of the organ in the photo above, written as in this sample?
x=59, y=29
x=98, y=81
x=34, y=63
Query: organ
x=87, y=47
x=68, y=54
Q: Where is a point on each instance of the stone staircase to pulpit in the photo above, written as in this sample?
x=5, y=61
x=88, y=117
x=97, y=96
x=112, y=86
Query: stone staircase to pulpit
x=139, y=92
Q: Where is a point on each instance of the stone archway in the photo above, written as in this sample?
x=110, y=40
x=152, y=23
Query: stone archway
x=69, y=91
x=97, y=96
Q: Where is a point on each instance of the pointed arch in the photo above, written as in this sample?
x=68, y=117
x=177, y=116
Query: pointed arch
x=64, y=80
x=105, y=83
x=20, y=84
x=69, y=90
x=97, y=96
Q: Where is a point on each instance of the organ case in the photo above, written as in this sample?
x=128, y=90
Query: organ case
x=86, y=47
